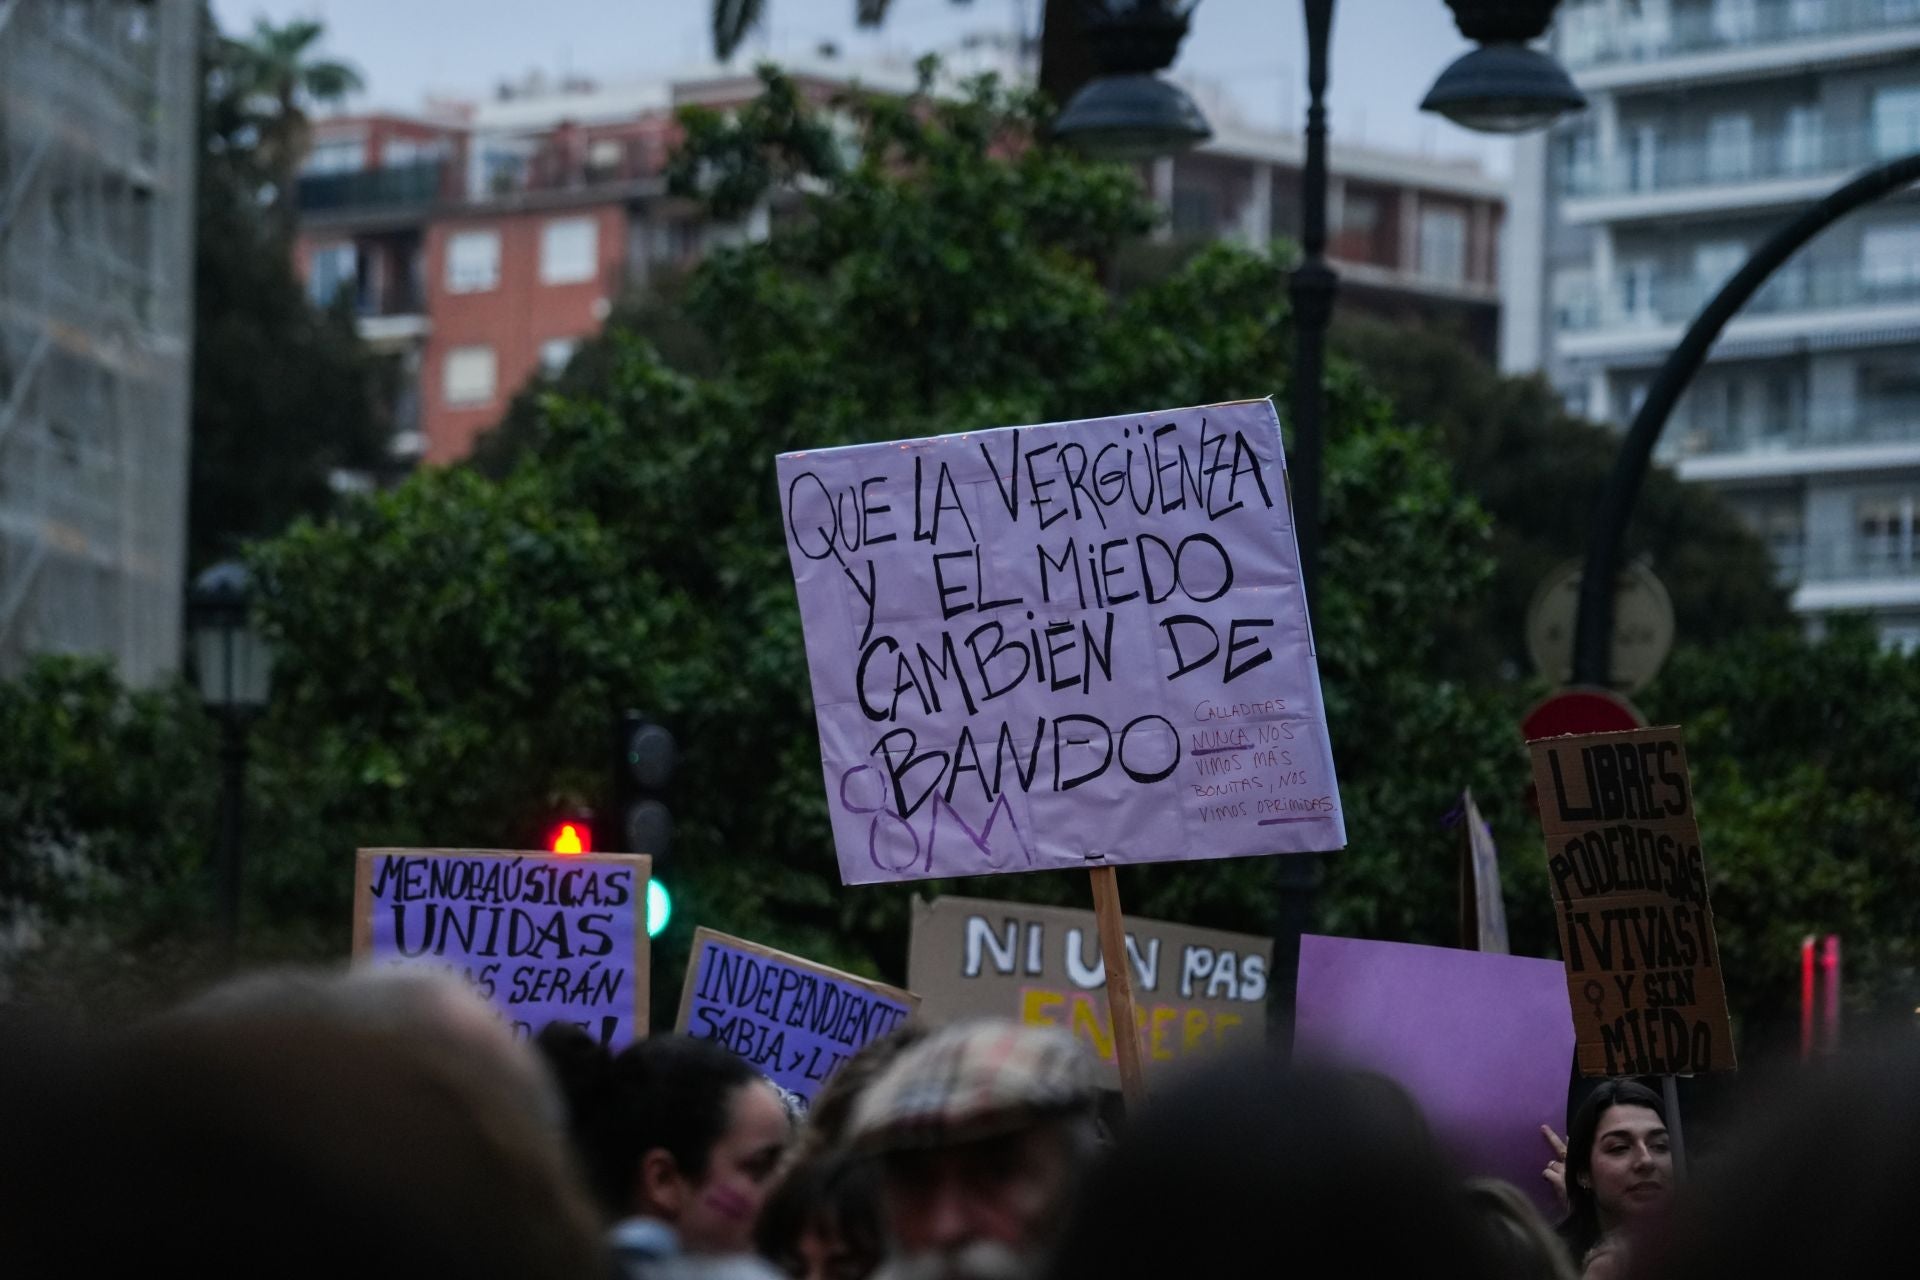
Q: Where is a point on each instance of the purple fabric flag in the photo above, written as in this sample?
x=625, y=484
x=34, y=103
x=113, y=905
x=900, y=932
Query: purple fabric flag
x=1061, y=646
x=544, y=939
x=794, y=1020
x=1484, y=1043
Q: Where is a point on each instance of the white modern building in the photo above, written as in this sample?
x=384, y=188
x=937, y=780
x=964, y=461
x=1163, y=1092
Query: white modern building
x=1712, y=122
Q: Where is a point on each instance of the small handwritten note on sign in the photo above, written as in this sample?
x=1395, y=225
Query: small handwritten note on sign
x=1061, y=646
x=795, y=1020
x=1630, y=887
x=544, y=937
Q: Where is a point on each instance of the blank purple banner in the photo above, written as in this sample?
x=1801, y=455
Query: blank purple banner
x=1484, y=1043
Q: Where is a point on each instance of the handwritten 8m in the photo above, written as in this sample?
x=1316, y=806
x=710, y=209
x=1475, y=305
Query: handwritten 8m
x=1146, y=749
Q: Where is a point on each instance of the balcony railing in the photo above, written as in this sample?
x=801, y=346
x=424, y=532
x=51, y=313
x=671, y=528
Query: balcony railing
x=401, y=187
x=1728, y=26
x=1773, y=156
x=1797, y=288
x=1875, y=559
x=1879, y=421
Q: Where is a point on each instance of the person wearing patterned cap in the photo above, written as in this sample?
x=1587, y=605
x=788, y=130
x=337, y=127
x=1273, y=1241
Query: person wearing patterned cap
x=982, y=1131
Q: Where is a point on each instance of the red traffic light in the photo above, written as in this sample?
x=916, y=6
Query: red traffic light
x=571, y=837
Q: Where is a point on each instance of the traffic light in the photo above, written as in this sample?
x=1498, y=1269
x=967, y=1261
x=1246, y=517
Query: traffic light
x=644, y=756
x=569, y=828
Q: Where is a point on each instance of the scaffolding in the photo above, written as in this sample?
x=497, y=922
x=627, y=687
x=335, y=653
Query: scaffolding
x=97, y=152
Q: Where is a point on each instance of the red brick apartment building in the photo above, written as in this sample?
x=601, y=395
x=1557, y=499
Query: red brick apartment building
x=480, y=242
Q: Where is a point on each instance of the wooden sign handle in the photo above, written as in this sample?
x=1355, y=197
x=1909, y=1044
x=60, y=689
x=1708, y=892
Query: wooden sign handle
x=1113, y=954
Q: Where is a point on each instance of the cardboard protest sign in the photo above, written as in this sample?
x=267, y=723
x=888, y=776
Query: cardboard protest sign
x=1069, y=645
x=1196, y=991
x=1482, y=1042
x=795, y=1020
x=544, y=937
x=1630, y=891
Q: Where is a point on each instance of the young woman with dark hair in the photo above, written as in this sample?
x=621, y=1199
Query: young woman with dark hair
x=679, y=1139
x=1616, y=1166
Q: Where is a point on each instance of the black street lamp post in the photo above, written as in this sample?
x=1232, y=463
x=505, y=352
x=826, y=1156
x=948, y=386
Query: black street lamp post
x=1500, y=87
x=1129, y=113
x=233, y=668
x=1593, y=624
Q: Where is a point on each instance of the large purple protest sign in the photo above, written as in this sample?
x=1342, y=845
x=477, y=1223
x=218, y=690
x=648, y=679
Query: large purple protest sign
x=1061, y=646
x=795, y=1020
x=1483, y=1042
x=544, y=937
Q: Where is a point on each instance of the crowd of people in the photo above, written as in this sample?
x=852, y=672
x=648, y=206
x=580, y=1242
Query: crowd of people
x=386, y=1123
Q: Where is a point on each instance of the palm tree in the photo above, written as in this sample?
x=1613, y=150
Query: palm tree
x=276, y=78
x=1065, y=63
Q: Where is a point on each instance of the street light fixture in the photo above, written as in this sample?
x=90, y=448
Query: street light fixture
x=1128, y=112
x=1503, y=86
x=234, y=669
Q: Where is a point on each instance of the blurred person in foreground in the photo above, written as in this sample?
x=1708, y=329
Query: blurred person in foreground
x=1248, y=1166
x=1616, y=1169
x=823, y=1220
x=681, y=1141
x=1822, y=1180
x=434, y=1008
x=287, y=1144
x=982, y=1132
x=1519, y=1244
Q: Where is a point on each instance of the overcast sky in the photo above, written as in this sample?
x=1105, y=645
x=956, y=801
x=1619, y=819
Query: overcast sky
x=1385, y=52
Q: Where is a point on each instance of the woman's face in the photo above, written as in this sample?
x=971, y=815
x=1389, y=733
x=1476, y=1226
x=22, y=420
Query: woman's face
x=1631, y=1169
x=720, y=1208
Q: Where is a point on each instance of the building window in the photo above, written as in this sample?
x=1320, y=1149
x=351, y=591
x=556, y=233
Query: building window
x=1714, y=263
x=1896, y=121
x=1779, y=521
x=1648, y=25
x=470, y=374
x=555, y=352
x=1901, y=636
x=473, y=261
x=398, y=153
x=1196, y=211
x=1886, y=529
x=1735, y=21
x=568, y=248
x=1643, y=157
x=336, y=155
x=1637, y=304
x=1359, y=227
x=1801, y=144
x=604, y=156
x=1573, y=301
x=1443, y=245
x=330, y=269
x=1890, y=257
x=1729, y=147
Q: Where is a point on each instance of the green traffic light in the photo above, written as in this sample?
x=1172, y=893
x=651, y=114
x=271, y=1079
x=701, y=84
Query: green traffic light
x=659, y=908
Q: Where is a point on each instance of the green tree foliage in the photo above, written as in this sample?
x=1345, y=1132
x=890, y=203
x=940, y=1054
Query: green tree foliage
x=452, y=652
x=947, y=275
x=274, y=77
x=1806, y=761
x=284, y=395
x=105, y=804
x=1538, y=472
